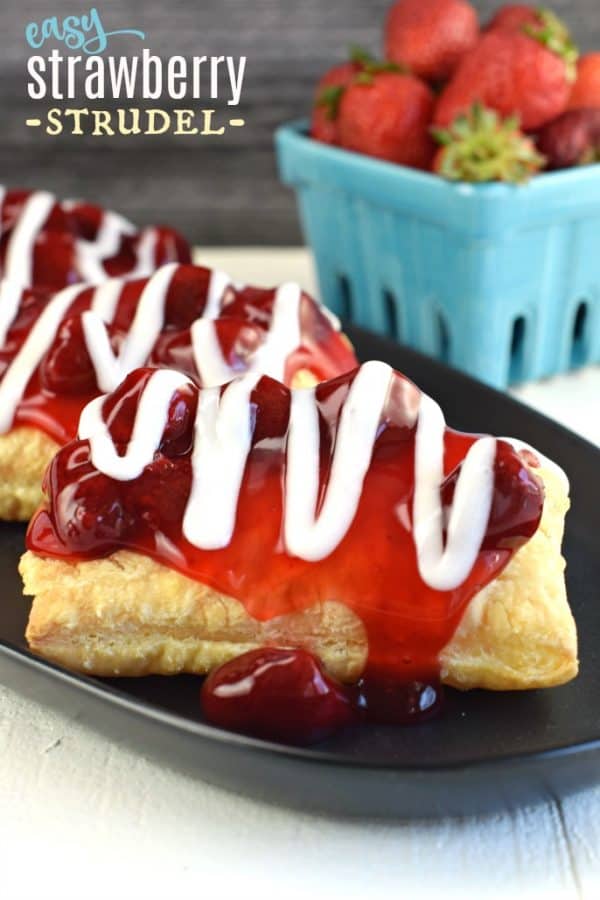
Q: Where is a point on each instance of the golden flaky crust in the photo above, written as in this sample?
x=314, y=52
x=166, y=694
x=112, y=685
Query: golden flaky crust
x=129, y=615
x=24, y=454
x=519, y=632
x=304, y=378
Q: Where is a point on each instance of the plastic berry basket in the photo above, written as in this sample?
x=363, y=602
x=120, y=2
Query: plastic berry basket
x=501, y=281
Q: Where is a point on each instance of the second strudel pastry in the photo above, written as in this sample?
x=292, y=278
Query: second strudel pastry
x=60, y=350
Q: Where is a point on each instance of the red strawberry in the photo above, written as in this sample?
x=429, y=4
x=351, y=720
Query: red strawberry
x=571, y=140
x=539, y=23
x=430, y=36
x=480, y=146
x=586, y=90
x=388, y=114
x=323, y=126
x=511, y=73
x=514, y=15
x=281, y=695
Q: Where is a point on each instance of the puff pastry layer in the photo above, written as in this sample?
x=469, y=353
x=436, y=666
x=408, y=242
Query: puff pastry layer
x=129, y=615
x=24, y=454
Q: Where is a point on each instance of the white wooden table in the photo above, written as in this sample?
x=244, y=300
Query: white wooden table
x=83, y=818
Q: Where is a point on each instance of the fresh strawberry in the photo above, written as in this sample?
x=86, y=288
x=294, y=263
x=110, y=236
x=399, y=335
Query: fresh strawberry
x=388, y=115
x=430, y=36
x=541, y=24
x=571, y=140
x=480, y=146
x=323, y=126
x=586, y=90
x=513, y=16
x=511, y=73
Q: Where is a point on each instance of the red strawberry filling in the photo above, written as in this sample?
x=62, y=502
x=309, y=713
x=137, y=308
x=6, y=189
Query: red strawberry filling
x=65, y=380
x=282, y=695
x=55, y=261
x=374, y=569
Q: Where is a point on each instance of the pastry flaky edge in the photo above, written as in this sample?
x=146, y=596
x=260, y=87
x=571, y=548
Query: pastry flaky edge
x=25, y=453
x=129, y=615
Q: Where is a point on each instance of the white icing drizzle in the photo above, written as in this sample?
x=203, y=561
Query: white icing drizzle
x=43, y=333
x=223, y=439
x=219, y=282
x=446, y=567
x=223, y=435
x=18, y=264
x=331, y=317
x=282, y=338
x=145, y=254
x=30, y=355
x=110, y=369
x=89, y=255
x=149, y=425
x=106, y=244
x=307, y=535
x=106, y=299
x=212, y=367
x=141, y=337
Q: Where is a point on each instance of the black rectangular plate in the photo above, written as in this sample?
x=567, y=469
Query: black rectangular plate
x=487, y=751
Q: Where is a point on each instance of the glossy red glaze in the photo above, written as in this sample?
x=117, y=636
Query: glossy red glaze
x=65, y=380
x=286, y=695
x=373, y=570
x=381, y=697
x=281, y=695
x=54, y=257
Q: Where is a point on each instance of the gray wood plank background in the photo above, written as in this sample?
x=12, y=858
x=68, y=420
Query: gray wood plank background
x=217, y=190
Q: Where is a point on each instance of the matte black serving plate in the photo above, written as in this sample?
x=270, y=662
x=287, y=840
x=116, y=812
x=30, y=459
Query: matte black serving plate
x=487, y=751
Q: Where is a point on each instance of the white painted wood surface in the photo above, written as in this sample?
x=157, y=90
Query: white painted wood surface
x=81, y=817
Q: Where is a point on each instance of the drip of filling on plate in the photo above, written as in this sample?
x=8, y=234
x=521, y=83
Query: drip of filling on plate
x=57, y=352
x=52, y=243
x=354, y=490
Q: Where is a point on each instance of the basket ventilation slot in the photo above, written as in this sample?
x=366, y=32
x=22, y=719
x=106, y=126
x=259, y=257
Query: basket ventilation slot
x=345, y=293
x=443, y=337
x=579, y=346
x=517, y=350
x=390, y=306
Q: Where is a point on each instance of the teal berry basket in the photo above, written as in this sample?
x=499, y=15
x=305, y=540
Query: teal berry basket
x=500, y=281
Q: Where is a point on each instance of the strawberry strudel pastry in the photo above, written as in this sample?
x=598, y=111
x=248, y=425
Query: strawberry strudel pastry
x=51, y=243
x=186, y=527
x=59, y=351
